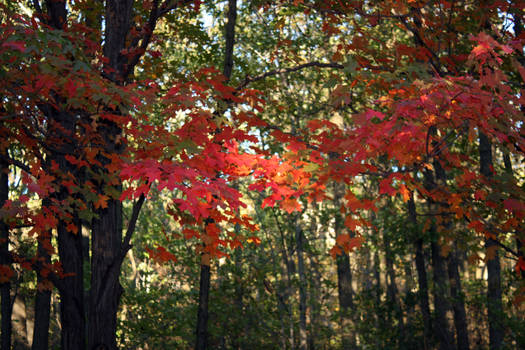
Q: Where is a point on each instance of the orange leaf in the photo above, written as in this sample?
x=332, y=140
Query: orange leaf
x=102, y=202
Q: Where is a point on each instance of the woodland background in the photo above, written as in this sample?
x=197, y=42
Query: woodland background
x=262, y=174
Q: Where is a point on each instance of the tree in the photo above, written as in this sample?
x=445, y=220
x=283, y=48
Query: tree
x=381, y=100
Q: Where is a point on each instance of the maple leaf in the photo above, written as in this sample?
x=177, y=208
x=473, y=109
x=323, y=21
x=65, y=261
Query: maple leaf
x=290, y=205
x=405, y=193
x=102, y=202
x=160, y=255
x=385, y=186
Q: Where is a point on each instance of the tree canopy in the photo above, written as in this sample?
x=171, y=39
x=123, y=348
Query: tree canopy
x=339, y=174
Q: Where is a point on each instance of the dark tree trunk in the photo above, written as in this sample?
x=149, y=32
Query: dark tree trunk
x=494, y=302
x=299, y=238
x=105, y=286
x=458, y=304
x=5, y=288
x=422, y=278
x=61, y=133
x=441, y=303
x=392, y=290
x=441, y=295
x=344, y=282
x=42, y=312
x=346, y=302
x=519, y=240
x=204, y=285
x=107, y=247
x=201, y=342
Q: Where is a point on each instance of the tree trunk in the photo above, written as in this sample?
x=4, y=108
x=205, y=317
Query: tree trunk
x=5, y=288
x=392, y=290
x=201, y=342
x=299, y=237
x=422, y=278
x=72, y=315
x=494, y=302
x=441, y=300
x=519, y=240
x=107, y=248
x=458, y=304
x=344, y=282
x=204, y=285
x=441, y=304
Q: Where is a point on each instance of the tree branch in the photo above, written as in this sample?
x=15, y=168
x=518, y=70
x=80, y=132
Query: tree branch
x=248, y=80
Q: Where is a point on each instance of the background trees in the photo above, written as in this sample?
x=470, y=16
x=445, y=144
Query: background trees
x=374, y=179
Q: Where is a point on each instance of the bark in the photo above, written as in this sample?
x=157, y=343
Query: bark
x=458, y=304
x=344, y=283
x=5, y=288
x=441, y=304
x=392, y=290
x=61, y=134
x=299, y=238
x=201, y=342
x=202, y=315
x=422, y=278
x=494, y=302
x=289, y=268
x=107, y=247
x=62, y=130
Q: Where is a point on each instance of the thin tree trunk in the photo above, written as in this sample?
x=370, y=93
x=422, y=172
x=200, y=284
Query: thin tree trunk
x=458, y=304
x=494, y=302
x=422, y=278
x=5, y=288
x=299, y=237
x=392, y=290
x=201, y=342
x=344, y=282
x=519, y=241
x=205, y=275
x=441, y=304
